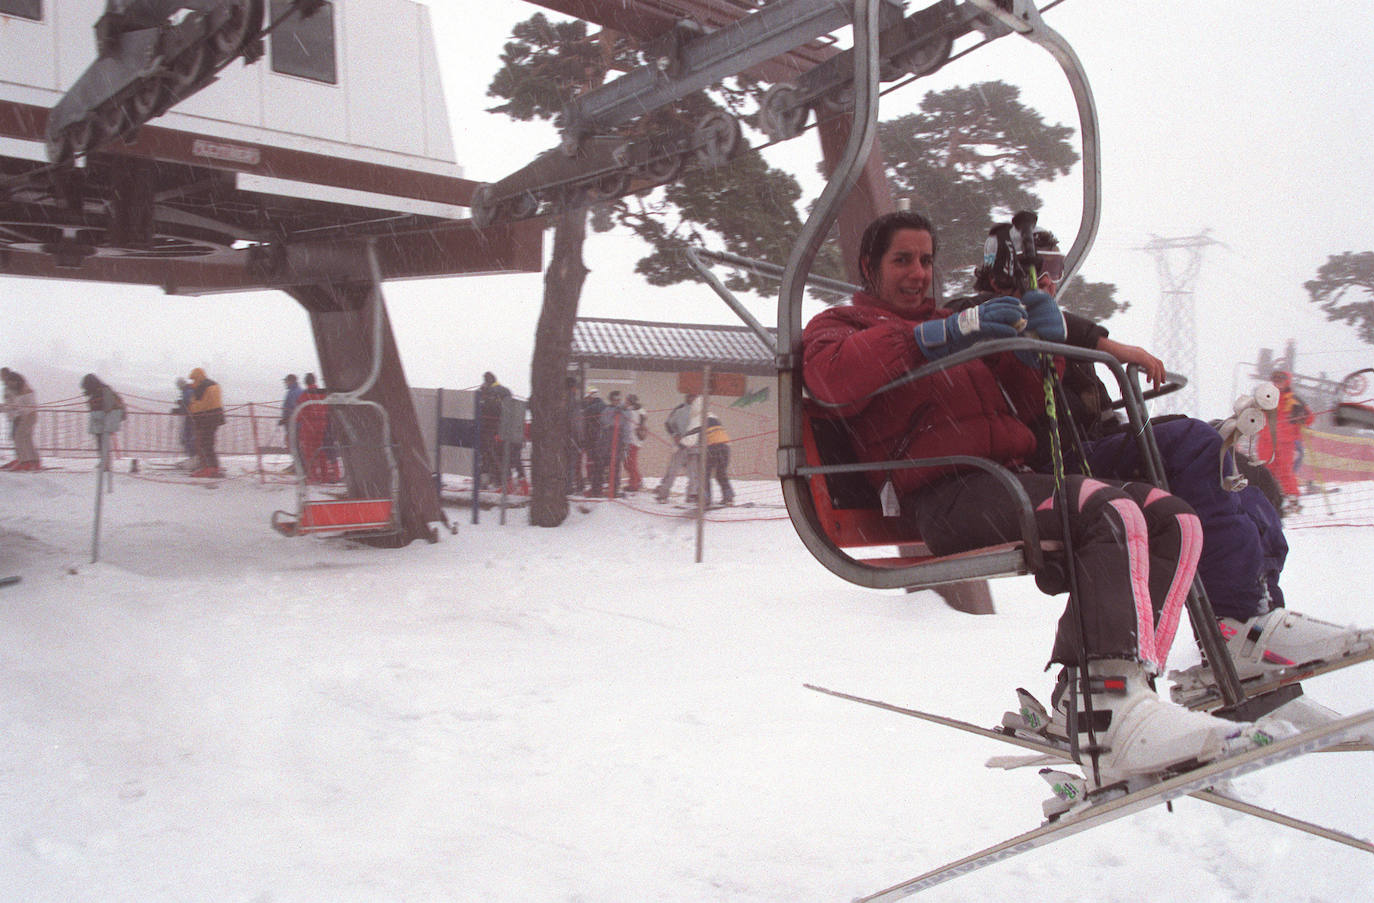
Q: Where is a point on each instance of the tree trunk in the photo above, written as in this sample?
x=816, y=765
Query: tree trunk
x=549, y=414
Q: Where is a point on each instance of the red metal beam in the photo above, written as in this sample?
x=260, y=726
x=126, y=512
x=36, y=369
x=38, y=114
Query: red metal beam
x=444, y=251
x=27, y=122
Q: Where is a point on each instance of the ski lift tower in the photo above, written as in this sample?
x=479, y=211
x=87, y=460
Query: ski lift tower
x=1175, y=334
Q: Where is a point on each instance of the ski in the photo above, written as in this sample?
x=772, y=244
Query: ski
x=1003, y=734
x=1042, y=760
x=1207, y=698
x=1239, y=805
x=1075, y=821
x=1047, y=753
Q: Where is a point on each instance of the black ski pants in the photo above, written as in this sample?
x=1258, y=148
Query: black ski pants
x=1135, y=550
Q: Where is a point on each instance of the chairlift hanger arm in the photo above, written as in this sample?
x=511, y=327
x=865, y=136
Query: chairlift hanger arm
x=768, y=339
x=590, y=165
x=686, y=65
x=774, y=271
x=1024, y=18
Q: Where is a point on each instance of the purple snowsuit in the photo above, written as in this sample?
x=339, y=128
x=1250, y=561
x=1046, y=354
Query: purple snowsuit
x=1243, y=548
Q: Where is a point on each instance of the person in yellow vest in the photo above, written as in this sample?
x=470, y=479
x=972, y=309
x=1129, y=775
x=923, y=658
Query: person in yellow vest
x=206, y=409
x=718, y=460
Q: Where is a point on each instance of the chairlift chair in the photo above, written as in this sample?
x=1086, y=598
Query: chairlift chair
x=372, y=516
x=811, y=458
x=353, y=517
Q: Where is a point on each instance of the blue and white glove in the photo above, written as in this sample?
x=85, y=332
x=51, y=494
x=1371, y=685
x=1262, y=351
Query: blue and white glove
x=1000, y=318
x=1044, y=320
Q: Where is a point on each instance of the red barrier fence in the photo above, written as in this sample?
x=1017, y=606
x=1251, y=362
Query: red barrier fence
x=61, y=430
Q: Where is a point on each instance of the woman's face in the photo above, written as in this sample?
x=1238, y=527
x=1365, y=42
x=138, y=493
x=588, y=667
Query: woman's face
x=902, y=283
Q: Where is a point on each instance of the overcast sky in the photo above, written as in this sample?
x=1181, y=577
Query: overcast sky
x=1248, y=119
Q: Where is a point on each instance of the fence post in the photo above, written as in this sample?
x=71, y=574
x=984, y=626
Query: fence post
x=439, y=446
x=476, y=455
x=257, y=446
x=701, y=460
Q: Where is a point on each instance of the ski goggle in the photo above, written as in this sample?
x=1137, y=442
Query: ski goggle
x=1051, y=264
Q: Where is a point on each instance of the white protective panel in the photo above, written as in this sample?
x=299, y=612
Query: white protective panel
x=438, y=133
x=28, y=54
x=389, y=99
x=386, y=104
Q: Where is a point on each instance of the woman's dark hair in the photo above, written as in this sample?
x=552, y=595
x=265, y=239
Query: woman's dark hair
x=90, y=384
x=877, y=238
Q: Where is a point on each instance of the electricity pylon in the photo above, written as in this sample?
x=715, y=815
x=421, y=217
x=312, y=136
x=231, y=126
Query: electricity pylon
x=1175, y=333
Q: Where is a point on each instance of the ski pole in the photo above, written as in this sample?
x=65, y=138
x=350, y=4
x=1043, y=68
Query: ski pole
x=1024, y=224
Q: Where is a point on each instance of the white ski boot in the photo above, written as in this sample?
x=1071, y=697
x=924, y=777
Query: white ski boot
x=1284, y=639
x=1273, y=646
x=1137, y=732
x=1140, y=738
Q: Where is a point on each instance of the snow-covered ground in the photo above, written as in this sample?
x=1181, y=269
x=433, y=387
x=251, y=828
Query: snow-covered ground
x=216, y=712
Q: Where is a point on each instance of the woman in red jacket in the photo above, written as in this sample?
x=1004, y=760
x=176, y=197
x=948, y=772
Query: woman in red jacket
x=1135, y=546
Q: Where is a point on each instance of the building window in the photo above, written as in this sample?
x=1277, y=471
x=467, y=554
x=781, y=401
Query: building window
x=304, y=47
x=24, y=9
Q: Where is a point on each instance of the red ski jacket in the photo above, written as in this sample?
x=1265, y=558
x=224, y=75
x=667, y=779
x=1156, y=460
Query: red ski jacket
x=982, y=408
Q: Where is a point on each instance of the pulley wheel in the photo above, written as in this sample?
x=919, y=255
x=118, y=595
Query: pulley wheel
x=717, y=138
x=781, y=116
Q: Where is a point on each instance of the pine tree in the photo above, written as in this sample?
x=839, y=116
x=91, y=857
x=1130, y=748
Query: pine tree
x=1344, y=290
x=747, y=206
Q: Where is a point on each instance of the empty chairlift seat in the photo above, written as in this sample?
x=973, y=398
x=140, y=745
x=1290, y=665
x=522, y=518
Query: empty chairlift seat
x=337, y=516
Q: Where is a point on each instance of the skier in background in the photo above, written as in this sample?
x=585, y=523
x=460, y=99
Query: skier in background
x=1291, y=417
x=490, y=397
x=206, y=408
x=22, y=407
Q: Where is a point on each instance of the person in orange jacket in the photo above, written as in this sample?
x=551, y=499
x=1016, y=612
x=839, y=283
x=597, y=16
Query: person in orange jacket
x=1291, y=416
x=206, y=409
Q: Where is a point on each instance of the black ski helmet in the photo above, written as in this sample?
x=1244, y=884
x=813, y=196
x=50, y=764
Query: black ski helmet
x=1006, y=257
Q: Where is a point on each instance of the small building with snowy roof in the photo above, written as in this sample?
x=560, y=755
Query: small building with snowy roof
x=662, y=362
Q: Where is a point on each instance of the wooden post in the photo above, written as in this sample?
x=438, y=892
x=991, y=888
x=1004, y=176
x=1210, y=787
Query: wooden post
x=701, y=460
x=257, y=446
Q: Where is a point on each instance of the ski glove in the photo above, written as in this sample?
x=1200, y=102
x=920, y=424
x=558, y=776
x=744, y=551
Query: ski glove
x=1000, y=318
x=1044, y=320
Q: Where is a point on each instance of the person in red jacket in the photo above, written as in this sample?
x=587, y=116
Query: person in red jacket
x=312, y=425
x=1281, y=451
x=1135, y=546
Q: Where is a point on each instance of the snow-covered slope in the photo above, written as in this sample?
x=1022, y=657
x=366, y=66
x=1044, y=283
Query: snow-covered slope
x=215, y=712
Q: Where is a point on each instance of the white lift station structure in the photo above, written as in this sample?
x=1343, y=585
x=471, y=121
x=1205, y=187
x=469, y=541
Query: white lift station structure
x=208, y=146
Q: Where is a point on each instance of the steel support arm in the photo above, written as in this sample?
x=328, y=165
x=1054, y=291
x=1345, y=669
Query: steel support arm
x=703, y=61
